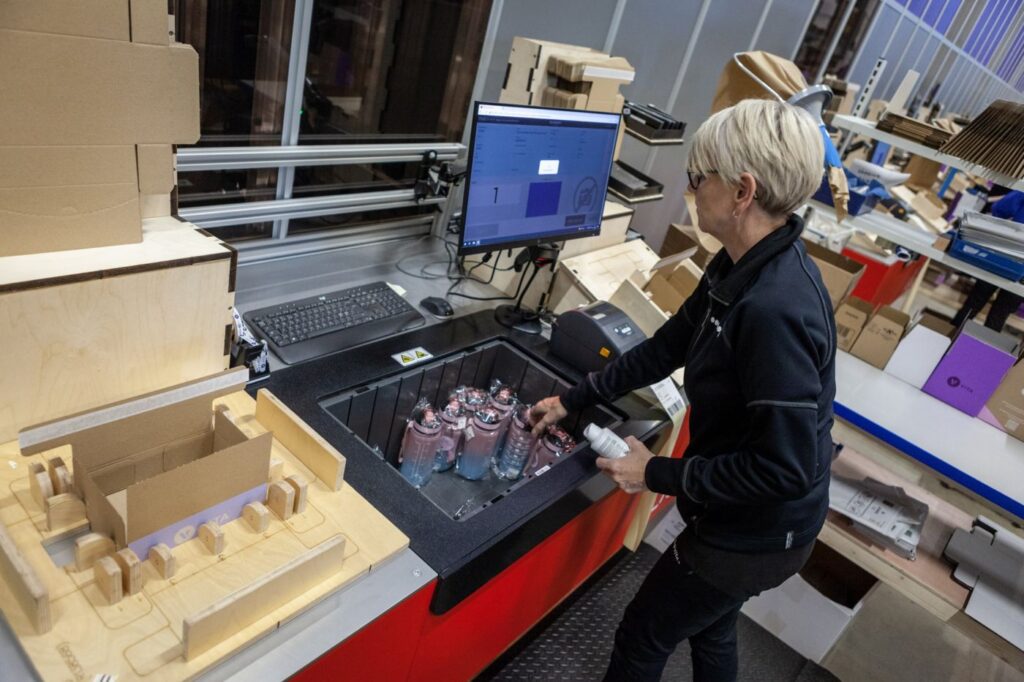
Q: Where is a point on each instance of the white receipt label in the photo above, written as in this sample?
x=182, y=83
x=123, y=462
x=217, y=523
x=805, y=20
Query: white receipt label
x=669, y=396
x=548, y=167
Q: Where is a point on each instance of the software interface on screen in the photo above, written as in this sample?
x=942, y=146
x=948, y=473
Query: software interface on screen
x=536, y=174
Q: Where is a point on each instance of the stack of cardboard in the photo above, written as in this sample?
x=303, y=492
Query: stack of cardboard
x=912, y=129
x=587, y=82
x=95, y=95
x=995, y=139
x=526, y=74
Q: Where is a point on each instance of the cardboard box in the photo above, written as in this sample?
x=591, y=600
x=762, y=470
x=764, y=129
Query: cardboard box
x=839, y=273
x=156, y=168
x=924, y=173
x=1005, y=409
x=680, y=238
x=108, y=19
x=518, y=78
x=851, y=316
x=971, y=370
x=920, y=350
x=150, y=22
x=518, y=97
x=530, y=53
x=811, y=610
x=672, y=281
x=67, y=197
x=877, y=342
x=62, y=90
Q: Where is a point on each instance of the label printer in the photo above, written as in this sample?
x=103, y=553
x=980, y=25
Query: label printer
x=591, y=337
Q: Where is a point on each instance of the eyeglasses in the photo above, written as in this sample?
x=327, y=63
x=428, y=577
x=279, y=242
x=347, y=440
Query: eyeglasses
x=697, y=178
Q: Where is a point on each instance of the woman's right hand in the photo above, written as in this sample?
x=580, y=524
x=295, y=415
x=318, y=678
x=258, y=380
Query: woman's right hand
x=545, y=413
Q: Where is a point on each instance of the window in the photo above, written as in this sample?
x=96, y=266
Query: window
x=822, y=30
x=376, y=72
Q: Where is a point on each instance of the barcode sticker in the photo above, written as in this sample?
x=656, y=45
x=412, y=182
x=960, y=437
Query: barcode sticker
x=461, y=424
x=470, y=433
x=543, y=469
x=669, y=397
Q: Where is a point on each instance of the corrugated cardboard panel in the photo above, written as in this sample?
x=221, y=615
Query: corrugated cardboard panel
x=158, y=502
x=35, y=166
x=156, y=168
x=155, y=205
x=149, y=22
x=92, y=19
x=62, y=90
x=41, y=219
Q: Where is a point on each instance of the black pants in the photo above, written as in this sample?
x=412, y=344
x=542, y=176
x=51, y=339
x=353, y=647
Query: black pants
x=1006, y=303
x=674, y=604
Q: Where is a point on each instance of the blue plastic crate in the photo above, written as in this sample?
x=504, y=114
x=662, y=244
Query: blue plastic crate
x=986, y=259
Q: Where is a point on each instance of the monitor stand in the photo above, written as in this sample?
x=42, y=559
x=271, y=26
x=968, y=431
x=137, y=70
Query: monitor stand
x=516, y=316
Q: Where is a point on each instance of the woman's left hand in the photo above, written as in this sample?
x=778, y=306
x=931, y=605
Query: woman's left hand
x=628, y=471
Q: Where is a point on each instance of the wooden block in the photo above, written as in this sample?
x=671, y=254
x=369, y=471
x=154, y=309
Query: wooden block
x=306, y=444
x=24, y=583
x=163, y=561
x=212, y=625
x=108, y=579
x=257, y=516
x=64, y=510
x=276, y=469
x=281, y=499
x=91, y=547
x=39, y=483
x=60, y=477
x=299, y=485
x=212, y=536
x=131, y=570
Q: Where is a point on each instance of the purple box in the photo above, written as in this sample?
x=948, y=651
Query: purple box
x=970, y=371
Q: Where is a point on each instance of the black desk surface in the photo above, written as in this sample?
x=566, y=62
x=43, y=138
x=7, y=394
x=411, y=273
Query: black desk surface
x=465, y=553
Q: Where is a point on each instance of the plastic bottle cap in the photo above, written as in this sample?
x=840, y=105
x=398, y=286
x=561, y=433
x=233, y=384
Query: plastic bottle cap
x=592, y=432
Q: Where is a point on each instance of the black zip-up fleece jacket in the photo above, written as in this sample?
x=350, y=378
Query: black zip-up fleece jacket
x=758, y=342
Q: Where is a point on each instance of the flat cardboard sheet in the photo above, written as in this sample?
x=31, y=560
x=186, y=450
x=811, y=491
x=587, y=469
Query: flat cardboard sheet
x=971, y=370
x=92, y=19
x=123, y=93
x=1005, y=409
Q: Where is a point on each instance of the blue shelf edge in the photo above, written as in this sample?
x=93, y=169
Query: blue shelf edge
x=929, y=460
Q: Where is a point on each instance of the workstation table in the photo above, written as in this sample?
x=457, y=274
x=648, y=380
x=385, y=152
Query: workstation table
x=483, y=580
x=960, y=466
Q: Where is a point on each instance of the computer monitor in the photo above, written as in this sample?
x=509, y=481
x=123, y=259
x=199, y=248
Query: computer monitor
x=535, y=175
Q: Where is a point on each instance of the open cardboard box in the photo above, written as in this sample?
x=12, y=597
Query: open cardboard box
x=852, y=315
x=839, y=273
x=876, y=344
x=920, y=350
x=154, y=468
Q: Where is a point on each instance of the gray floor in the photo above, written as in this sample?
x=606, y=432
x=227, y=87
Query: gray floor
x=574, y=642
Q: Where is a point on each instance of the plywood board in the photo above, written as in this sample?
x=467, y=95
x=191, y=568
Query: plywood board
x=24, y=583
x=320, y=456
x=599, y=273
x=218, y=621
x=141, y=636
x=76, y=346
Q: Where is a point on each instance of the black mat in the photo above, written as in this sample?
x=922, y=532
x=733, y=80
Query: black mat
x=574, y=642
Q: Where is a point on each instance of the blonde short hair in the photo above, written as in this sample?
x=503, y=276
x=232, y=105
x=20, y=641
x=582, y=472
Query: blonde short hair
x=779, y=144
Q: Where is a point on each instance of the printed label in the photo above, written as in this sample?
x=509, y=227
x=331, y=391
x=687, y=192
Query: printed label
x=669, y=396
x=412, y=356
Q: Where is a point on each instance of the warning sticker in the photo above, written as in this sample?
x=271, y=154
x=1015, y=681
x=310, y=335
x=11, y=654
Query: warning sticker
x=412, y=356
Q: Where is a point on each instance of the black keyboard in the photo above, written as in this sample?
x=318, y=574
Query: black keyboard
x=318, y=325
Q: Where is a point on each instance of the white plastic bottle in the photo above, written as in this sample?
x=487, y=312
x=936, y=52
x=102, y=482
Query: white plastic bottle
x=604, y=442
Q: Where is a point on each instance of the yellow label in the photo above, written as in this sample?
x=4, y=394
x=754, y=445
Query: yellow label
x=605, y=352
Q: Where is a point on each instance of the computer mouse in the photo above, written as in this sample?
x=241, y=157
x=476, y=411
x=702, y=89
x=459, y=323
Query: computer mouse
x=438, y=307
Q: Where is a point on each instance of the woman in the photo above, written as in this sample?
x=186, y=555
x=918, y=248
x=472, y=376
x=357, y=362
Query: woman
x=757, y=338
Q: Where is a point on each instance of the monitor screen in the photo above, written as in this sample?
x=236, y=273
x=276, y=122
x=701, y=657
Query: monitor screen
x=535, y=175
